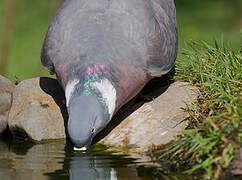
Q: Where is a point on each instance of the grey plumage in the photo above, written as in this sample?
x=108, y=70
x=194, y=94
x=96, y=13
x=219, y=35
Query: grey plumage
x=142, y=31
x=119, y=44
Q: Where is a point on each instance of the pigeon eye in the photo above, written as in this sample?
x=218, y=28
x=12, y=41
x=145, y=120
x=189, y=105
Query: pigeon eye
x=93, y=130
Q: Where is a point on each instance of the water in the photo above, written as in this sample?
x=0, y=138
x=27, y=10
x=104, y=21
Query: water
x=56, y=160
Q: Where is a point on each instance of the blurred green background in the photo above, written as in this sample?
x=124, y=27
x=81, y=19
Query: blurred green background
x=23, y=24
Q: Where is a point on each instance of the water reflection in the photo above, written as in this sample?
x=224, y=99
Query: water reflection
x=56, y=160
x=23, y=160
x=109, y=167
x=97, y=165
x=87, y=168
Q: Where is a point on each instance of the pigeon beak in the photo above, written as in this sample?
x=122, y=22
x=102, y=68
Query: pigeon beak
x=84, y=148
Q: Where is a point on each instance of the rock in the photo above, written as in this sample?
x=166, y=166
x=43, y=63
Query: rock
x=6, y=89
x=36, y=114
x=156, y=122
x=38, y=110
x=236, y=165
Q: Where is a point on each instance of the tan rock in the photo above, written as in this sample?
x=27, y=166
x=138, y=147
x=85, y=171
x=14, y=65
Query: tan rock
x=34, y=112
x=6, y=89
x=156, y=122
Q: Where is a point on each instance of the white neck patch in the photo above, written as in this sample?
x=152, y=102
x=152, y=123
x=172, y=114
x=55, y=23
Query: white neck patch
x=69, y=89
x=108, y=93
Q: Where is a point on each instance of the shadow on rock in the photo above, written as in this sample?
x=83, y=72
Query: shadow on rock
x=153, y=89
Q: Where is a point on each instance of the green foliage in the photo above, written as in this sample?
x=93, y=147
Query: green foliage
x=214, y=134
x=29, y=28
x=206, y=20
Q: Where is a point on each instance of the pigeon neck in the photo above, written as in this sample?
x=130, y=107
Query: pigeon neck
x=96, y=80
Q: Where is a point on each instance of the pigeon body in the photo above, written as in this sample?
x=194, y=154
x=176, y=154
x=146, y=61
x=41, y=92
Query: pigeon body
x=103, y=52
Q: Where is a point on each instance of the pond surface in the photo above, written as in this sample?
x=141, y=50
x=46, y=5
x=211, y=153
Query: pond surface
x=56, y=160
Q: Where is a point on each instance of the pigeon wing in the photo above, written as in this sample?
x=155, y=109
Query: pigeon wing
x=162, y=45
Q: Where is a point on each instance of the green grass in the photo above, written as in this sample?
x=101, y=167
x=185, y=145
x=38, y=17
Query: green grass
x=30, y=25
x=214, y=134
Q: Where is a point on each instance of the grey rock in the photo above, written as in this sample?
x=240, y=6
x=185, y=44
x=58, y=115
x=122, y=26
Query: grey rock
x=36, y=110
x=6, y=89
x=156, y=122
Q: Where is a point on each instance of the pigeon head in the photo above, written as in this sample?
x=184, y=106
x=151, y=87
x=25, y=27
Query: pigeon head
x=86, y=118
x=91, y=104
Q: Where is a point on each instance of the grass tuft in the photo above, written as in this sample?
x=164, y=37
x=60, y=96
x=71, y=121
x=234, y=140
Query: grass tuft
x=214, y=134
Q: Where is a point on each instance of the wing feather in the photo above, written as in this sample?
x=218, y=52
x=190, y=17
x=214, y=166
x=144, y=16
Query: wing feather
x=162, y=46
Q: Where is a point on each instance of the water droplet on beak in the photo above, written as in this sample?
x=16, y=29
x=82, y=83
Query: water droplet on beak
x=80, y=149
